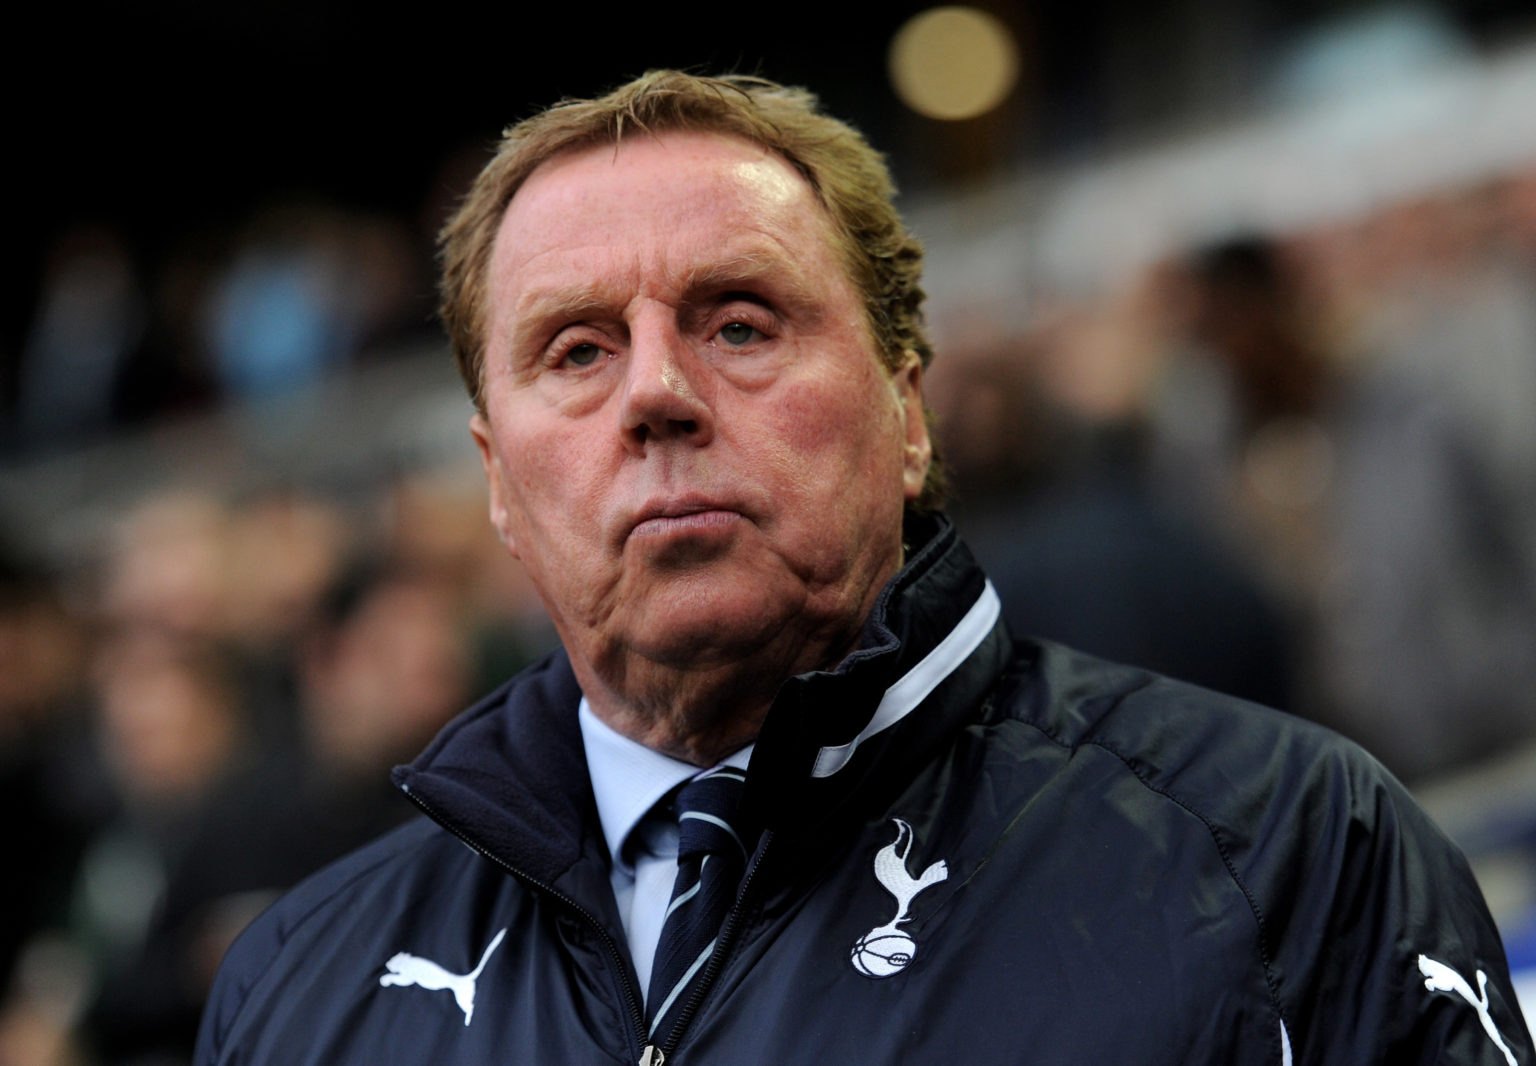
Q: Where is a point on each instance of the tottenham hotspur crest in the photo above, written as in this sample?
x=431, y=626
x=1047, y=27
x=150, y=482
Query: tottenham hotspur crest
x=885, y=949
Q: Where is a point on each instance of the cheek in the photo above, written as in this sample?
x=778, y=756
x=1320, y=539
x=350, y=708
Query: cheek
x=538, y=495
x=844, y=437
x=534, y=468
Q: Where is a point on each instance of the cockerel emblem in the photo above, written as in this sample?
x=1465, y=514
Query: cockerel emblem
x=886, y=949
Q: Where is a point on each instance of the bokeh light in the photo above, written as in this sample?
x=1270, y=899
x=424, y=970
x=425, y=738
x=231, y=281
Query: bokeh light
x=953, y=63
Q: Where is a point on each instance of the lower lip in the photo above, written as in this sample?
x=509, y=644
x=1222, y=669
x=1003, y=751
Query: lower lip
x=684, y=524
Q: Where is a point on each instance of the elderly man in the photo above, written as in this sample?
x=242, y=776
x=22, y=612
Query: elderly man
x=789, y=793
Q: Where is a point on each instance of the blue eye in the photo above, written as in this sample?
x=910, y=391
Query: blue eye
x=738, y=333
x=583, y=355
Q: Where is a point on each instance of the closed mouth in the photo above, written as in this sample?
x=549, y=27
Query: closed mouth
x=686, y=519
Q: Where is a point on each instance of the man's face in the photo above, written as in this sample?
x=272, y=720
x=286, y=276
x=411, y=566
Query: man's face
x=690, y=439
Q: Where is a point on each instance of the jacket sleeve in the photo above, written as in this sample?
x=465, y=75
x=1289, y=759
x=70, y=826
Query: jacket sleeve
x=1382, y=947
x=264, y=953
x=243, y=965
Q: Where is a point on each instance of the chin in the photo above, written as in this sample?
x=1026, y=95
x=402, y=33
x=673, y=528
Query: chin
x=700, y=623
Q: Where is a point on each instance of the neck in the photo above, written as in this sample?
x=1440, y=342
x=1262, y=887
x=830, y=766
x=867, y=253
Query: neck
x=704, y=696
x=700, y=713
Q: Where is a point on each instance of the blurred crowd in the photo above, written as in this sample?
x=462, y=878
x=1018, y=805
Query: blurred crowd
x=126, y=332
x=207, y=711
x=1297, y=467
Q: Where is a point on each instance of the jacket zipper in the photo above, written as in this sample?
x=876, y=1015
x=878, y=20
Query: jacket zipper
x=636, y=1011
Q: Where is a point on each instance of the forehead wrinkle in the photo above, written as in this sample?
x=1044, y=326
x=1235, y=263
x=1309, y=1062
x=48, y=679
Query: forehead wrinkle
x=758, y=261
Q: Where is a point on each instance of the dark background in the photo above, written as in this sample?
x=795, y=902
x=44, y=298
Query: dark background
x=170, y=119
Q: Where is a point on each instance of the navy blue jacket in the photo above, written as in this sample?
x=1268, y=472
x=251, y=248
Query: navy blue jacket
x=977, y=851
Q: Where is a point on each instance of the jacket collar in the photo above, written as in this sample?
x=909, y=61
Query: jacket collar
x=510, y=777
x=843, y=742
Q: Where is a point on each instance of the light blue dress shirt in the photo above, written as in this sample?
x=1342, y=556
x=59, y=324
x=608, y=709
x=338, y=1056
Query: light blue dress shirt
x=628, y=779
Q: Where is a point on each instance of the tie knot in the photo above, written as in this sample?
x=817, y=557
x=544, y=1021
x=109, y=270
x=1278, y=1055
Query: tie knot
x=709, y=818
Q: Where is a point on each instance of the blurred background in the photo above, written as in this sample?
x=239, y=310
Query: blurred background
x=1235, y=306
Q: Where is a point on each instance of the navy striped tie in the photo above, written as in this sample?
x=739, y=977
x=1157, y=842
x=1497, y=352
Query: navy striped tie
x=711, y=855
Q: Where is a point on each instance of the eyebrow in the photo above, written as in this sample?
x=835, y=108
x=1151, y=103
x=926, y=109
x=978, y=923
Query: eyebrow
x=580, y=301
x=728, y=273
x=593, y=300
x=748, y=270
x=536, y=309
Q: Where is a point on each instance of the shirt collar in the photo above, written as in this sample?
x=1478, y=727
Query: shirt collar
x=629, y=778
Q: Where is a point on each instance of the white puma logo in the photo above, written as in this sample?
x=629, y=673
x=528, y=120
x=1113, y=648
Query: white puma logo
x=1438, y=977
x=407, y=969
x=885, y=949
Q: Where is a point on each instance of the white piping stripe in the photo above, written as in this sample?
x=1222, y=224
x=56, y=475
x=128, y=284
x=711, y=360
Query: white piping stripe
x=712, y=820
x=684, y=897
x=1285, y=1045
x=904, y=696
x=682, y=983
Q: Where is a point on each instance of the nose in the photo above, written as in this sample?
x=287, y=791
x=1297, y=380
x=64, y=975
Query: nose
x=666, y=391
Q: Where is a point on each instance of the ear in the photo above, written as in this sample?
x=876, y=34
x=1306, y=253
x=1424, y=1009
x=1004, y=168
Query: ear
x=917, y=453
x=495, y=479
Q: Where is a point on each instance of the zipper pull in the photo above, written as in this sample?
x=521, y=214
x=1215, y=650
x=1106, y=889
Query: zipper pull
x=652, y=1056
